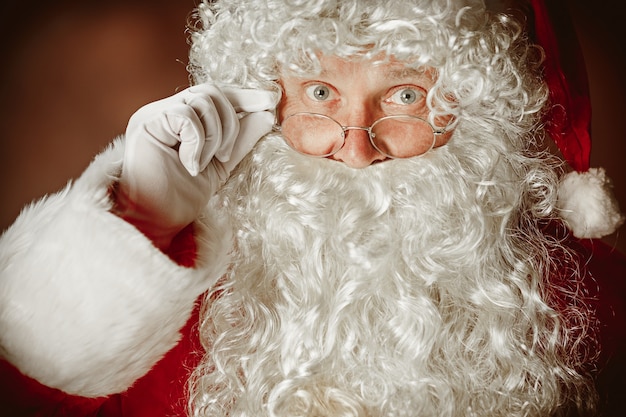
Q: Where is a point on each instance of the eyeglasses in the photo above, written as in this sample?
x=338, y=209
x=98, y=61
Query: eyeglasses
x=398, y=136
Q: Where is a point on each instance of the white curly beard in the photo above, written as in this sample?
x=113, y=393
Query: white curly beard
x=352, y=295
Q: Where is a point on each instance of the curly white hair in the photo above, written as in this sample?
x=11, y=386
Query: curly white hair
x=485, y=67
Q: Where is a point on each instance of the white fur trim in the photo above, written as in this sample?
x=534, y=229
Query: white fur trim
x=587, y=204
x=87, y=303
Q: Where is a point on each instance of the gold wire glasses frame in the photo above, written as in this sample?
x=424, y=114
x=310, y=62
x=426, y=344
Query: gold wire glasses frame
x=396, y=136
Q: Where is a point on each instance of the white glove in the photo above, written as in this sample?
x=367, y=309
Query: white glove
x=181, y=149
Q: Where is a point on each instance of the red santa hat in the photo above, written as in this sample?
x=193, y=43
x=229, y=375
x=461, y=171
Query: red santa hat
x=585, y=197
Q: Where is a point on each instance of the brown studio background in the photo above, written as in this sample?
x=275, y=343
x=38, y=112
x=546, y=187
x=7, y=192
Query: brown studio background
x=73, y=72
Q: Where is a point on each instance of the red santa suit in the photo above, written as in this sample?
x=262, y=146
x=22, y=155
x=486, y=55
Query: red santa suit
x=131, y=311
x=96, y=321
x=90, y=308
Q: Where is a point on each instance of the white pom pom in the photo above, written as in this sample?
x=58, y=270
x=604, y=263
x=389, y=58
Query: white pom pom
x=587, y=204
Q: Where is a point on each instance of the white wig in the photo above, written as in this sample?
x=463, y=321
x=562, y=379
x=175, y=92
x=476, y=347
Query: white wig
x=343, y=301
x=485, y=68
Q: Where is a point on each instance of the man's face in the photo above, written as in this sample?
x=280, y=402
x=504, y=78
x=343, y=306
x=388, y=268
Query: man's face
x=357, y=93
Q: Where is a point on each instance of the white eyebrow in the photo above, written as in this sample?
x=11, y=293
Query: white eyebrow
x=404, y=73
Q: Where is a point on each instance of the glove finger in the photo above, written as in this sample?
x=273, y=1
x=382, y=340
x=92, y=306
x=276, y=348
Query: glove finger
x=230, y=128
x=199, y=137
x=252, y=128
x=208, y=92
x=250, y=100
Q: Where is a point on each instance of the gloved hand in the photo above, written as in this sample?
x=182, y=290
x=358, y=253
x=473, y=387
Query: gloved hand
x=181, y=149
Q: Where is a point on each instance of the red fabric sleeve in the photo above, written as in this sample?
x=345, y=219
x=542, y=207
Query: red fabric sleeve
x=183, y=249
x=159, y=393
x=25, y=397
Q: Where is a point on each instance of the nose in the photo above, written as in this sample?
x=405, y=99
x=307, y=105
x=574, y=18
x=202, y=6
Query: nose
x=357, y=151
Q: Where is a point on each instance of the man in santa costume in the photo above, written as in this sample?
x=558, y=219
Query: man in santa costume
x=350, y=213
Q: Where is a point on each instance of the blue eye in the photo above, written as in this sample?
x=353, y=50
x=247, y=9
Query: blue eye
x=318, y=92
x=406, y=96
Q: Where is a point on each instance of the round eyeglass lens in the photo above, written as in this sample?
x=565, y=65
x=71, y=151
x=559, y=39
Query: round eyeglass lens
x=312, y=134
x=402, y=136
